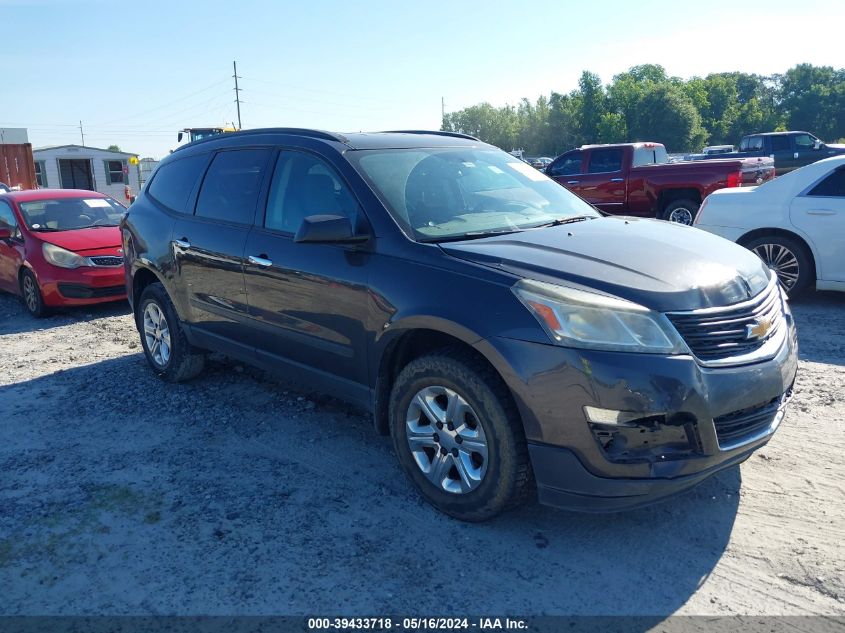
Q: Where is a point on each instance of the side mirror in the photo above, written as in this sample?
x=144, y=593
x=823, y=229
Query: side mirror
x=818, y=144
x=5, y=233
x=327, y=228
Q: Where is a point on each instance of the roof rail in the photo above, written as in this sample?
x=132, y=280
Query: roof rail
x=299, y=131
x=436, y=132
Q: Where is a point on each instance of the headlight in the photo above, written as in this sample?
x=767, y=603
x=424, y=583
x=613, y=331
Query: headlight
x=60, y=257
x=575, y=318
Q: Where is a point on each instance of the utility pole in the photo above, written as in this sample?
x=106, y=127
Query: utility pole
x=237, y=92
x=442, y=109
x=81, y=133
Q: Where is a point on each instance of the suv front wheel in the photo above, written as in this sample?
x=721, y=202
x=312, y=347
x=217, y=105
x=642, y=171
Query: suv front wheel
x=458, y=437
x=168, y=351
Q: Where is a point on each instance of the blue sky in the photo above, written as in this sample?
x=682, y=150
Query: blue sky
x=136, y=72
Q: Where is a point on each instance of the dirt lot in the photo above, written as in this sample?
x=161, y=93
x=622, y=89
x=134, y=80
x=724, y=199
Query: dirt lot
x=237, y=495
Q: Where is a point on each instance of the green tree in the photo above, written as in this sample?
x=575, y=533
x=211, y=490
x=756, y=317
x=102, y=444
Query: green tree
x=593, y=104
x=113, y=148
x=667, y=115
x=813, y=99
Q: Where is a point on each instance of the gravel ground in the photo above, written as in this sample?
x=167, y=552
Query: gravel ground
x=236, y=494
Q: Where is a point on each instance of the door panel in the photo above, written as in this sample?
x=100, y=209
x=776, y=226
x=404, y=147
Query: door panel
x=309, y=301
x=11, y=250
x=804, y=150
x=209, y=246
x=781, y=149
x=604, y=184
x=820, y=215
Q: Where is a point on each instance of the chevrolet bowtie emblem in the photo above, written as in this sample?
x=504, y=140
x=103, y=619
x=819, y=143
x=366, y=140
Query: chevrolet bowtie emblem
x=759, y=329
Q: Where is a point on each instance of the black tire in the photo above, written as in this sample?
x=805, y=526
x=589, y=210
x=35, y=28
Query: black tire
x=682, y=211
x=508, y=480
x=31, y=296
x=183, y=361
x=787, y=257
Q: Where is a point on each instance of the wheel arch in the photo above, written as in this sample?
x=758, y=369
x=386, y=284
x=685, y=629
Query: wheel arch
x=668, y=196
x=142, y=277
x=414, y=341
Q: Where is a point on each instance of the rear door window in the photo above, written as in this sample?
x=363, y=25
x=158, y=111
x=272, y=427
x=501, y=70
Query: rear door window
x=231, y=185
x=780, y=143
x=832, y=186
x=604, y=161
x=174, y=181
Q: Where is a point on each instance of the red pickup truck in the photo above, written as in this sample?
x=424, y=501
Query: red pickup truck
x=638, y=179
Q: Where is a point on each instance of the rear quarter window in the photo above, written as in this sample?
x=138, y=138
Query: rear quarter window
x=174, y=181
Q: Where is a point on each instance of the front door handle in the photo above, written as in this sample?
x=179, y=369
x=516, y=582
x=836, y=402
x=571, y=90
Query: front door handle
x=821, y=212
x=183, y=243
x=261, y=260
x=572, y=182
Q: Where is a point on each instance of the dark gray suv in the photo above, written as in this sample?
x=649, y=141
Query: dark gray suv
x=508, y=336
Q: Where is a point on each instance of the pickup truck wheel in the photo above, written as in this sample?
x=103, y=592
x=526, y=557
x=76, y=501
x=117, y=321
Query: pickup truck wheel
x=681, y=211
x=789, y=260
x=168, y=351
x=459, y=441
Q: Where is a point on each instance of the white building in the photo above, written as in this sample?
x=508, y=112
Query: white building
x=80, y=167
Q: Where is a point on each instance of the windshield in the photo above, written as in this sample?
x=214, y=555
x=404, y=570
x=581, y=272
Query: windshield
x=66, y=214
x=439, y=194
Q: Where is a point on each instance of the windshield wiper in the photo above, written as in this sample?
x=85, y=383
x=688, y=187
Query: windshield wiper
x=562, y=221
x=44, y=229
x=472, y=235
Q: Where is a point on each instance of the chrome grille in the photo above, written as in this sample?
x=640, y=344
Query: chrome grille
x=720, y=333
x=106, y=260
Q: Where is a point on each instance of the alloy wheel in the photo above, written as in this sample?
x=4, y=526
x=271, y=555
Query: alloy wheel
x=447, y=440
x=681, y=215
x=30, y=293
x=157, y=334
x=782, y=261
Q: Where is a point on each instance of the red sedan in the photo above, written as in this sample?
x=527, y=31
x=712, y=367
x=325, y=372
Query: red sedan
x=60, y=247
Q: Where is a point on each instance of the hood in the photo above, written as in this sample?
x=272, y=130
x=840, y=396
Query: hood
x=81, y=240
x=661, y=265
x=839, y=147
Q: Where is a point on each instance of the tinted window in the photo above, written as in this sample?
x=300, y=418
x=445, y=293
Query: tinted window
x=230, y=188
x=780, y=143
x=567, y=165
x=173, y=182
x=833, y=185
x=305, y=185
x=604, y=160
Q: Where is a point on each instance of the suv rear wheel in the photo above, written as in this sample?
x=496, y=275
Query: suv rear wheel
x=459, y=442
x=168, y=351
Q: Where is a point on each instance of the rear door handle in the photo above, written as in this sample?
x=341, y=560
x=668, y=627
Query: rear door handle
x=572, y=182
x=183, y=243
x=617, y=180
x=260, y=260
x=821, y=212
